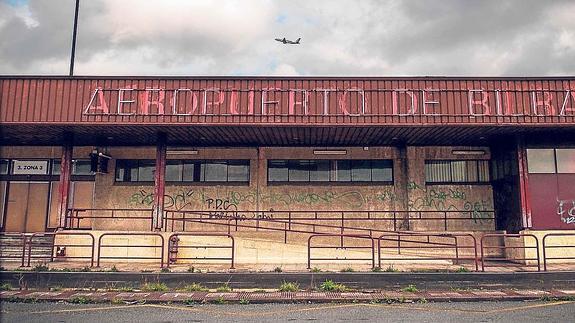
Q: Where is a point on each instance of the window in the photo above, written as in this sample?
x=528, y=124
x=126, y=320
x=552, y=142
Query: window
x=551, y=161
x=184, y=170
x=4, y=164
x=318, y=170
x=456, y=171
x=79, y=167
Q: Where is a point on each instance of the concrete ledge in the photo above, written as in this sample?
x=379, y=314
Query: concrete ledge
x=355, y=280
x=284, y=297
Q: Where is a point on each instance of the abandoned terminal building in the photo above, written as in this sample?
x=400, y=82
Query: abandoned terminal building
x=270, y=171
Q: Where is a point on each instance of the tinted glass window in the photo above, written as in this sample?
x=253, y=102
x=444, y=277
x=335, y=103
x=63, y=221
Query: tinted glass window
x=565, y=160
x=541, y=161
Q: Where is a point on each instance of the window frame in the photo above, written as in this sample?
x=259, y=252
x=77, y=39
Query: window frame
x=196, y=176
x=332, y=178
x=467, y=167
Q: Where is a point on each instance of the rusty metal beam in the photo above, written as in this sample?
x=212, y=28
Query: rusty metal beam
x=65, y=175
x=159, y=181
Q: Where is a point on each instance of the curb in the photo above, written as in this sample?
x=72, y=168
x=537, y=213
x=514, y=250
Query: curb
x=284, y=297
x=271, y=280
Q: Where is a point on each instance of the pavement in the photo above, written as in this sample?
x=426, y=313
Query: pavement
x=512, y=311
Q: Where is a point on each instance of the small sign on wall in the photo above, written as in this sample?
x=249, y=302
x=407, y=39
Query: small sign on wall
x=29, y=167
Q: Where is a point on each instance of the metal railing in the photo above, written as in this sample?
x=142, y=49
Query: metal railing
x=504, y=261
x=75, y=216
x=131, y=246
x=399, y=220
x=21, y=247
x=341, y=247
x=58, y=250
x=174, y=246
x=545, y=246
x=410, y=243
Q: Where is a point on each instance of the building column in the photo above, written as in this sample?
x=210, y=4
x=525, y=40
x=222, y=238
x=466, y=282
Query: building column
x=65, y=182
x=402, y=185
x=524, y=184
x=159, y=182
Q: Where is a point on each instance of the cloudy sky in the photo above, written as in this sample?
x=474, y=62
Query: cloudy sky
x=339, y=37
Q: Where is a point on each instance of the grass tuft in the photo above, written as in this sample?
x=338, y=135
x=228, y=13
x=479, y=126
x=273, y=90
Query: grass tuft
x=225, y=288
x=195, y=287
x=288, y=287
x=410, y=289
x=330, y=286
x=154, y=287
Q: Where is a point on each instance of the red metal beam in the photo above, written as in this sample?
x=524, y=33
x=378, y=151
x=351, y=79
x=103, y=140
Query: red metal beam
x=159, y=181
x=65, y=174
x=524, y=184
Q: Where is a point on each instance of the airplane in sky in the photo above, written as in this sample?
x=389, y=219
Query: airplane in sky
x=285, y=41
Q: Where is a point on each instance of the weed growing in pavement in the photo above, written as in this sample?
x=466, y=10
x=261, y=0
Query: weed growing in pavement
x=114, y=269
x=330, y=286
x=195, y=287
x=347, y=270
x=79, y=300
x=116, y=301
x=547, y=298
x=376, y=269
x=165, y=270
x=85, y=269
x=56, y=288
x=40, y=267
x=225, y=288
x=315, y=270
x=154, y=287
x=391, y=269
x=6, y=286
x=259, y=290
x=121, y=289
x=462, y=270
x=410, y=289
x=422, y=300
x=219, y=300
x=191, y=269
x=278, y=269
x=244, y=301
x=189, y=302
x=288, y=287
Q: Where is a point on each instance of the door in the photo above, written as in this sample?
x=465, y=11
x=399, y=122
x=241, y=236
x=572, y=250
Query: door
x=27, y=206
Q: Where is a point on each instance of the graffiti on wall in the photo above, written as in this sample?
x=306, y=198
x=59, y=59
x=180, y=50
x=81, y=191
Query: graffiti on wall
x=177, y=201
x=566, y=210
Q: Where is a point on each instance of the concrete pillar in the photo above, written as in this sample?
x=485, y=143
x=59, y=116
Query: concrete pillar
x=65, y=176
x=401, y=186
x=159, y=182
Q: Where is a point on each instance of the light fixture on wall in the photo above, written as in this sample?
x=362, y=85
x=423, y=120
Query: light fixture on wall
x=330, y=152
x=180, y=151
x=474, y=152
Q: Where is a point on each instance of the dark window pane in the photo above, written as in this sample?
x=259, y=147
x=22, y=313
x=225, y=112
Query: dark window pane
x=319, y=170
x=238, y=171
x=146, y=171
x=81, y=167
x=343, y=171
x=382, y=170
x=277, y=171
x=214, y=171
x=483, y=171
x=4, y=166
x=188, y=171
x=173, y=171
x=126, y=170
x=299, y=170
x=56, y=167
x=361, y=171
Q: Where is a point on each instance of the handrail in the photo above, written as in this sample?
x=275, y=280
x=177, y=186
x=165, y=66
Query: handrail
x=510, y=235
x=23, y=239
x=342, y=236
x=74, y=214
x=123, y=234
x=54, y=245
x=174, y=239
x=431, y=245
x=544, y=247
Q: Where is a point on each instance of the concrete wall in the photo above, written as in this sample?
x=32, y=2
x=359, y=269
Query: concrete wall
x=408, y=192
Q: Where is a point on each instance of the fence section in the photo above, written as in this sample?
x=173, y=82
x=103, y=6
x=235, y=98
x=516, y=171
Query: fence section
x=60, y=249
x=557, y=245
x=341, y=246
x=174, y=246
x=138, y=247
x=519, y=252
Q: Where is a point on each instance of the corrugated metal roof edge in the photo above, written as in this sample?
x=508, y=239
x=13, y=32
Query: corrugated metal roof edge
x=199, y=77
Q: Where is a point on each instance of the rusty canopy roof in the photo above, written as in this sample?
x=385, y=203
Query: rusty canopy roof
x=284, y=110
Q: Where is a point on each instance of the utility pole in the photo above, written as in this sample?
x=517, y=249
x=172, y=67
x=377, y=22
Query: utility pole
x=74, y=38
